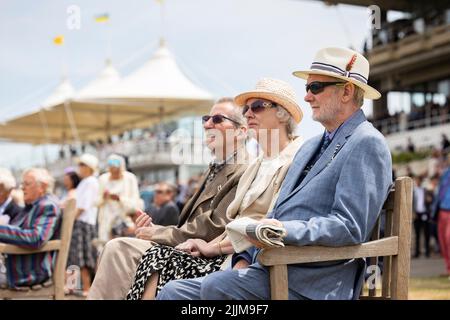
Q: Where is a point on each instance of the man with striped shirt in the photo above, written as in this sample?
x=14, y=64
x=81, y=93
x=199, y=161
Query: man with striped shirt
x=39, y=224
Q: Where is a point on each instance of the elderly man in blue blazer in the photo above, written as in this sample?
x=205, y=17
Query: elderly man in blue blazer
x=332, y=194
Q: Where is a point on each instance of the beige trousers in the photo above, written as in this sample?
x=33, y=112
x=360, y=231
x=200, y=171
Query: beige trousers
x=117, y=267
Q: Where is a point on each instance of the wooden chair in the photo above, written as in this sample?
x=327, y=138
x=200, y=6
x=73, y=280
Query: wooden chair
x=394, y=246
x=55, y=288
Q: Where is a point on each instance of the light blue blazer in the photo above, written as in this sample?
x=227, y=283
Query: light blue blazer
x=336, y=204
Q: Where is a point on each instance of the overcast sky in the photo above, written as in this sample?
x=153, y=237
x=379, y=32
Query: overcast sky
x=224, y=46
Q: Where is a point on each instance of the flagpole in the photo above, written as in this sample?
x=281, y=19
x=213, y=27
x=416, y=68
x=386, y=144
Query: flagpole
x=163, y=22
x=162, y=15
x=109, y=39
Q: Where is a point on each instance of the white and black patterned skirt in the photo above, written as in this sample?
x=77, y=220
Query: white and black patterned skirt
x=82, y=253
x=170, y=264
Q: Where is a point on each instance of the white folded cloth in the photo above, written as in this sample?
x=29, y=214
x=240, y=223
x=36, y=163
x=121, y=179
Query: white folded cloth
x=239, y=229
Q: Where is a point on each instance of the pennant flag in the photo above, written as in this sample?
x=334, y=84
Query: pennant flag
x=102, y=18
x=59, y=40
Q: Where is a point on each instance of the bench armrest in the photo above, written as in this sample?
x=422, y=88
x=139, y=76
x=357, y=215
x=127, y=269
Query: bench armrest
x=306, y=254
x=52, y=245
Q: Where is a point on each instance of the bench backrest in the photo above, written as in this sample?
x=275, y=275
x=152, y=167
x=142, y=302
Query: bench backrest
x=394, y=221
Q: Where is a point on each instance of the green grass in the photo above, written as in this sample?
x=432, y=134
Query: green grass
x=433, y=288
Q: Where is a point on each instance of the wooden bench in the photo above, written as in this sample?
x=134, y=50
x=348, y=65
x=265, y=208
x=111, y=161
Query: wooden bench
x=55, y=288
x=394, y=246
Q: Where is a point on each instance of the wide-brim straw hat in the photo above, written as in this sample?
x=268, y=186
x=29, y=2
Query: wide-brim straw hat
x=344, y=64
x=276, y=91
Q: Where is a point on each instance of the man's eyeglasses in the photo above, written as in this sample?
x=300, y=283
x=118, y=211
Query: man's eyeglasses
x=217, y=118
x=258, y=106
x=318, y=86
x=161, y=191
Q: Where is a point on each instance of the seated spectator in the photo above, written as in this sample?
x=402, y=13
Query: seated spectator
x=204, y=216
x=8, y=207
x=164, y=211
x=33, y=230
x=8, y=210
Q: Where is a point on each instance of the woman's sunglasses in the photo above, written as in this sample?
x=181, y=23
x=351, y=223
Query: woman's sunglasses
x=317, y=86
x=258, y=106
x=217, y=118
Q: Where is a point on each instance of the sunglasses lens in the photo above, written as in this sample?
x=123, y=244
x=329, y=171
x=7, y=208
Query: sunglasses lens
x=257, y=106
x=315, y=87
x=205, y=118
x=217, y=119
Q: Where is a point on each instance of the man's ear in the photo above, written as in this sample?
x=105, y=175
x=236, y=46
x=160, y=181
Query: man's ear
x=241, y=132
x=348, y=92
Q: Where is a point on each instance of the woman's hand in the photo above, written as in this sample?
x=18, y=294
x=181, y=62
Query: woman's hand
x=198, y=247
x=143, y=219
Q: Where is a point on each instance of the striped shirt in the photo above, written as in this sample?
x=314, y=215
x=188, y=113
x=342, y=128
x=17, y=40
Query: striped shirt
x=34, y=228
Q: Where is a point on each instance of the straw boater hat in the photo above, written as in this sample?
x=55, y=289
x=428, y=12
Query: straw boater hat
x=344, y=64
x=274, y=90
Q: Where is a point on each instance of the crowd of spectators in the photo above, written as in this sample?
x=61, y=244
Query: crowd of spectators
x=107, y=206
x=399, y=29
x=431, y=114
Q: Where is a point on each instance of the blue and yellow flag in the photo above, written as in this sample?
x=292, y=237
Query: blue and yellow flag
x=102, y=18
x=59, y=40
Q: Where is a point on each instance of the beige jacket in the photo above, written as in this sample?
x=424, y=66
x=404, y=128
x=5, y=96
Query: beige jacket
x=205, y=215
x=262, y=201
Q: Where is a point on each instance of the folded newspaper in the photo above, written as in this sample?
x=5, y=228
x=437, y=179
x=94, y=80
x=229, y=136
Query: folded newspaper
x=239, y=229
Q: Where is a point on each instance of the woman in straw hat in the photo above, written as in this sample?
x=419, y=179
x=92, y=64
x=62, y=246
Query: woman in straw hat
x=272, y=115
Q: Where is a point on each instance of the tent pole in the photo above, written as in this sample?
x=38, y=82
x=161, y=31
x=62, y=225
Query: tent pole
x=71, y=120
x=47, y=135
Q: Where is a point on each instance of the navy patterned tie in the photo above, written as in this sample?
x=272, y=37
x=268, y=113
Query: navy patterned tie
x=325, y=143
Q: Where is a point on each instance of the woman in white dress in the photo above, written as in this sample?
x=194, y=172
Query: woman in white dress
x=118, y=197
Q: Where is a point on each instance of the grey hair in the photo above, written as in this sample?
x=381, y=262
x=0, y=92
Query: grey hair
x=289, y=121
x=170, y=185
x=7, y=179
x=42, y=176
x=236, y=114
x=358, y=96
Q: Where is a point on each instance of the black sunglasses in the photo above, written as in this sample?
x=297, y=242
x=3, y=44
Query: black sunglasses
x=258, y=106
x=217, y=118
x=317, y=86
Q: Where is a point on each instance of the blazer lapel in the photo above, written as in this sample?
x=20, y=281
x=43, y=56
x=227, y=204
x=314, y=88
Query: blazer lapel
x=211, y=189
x=335, y=146
x=187, y=209
x=298, y=164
